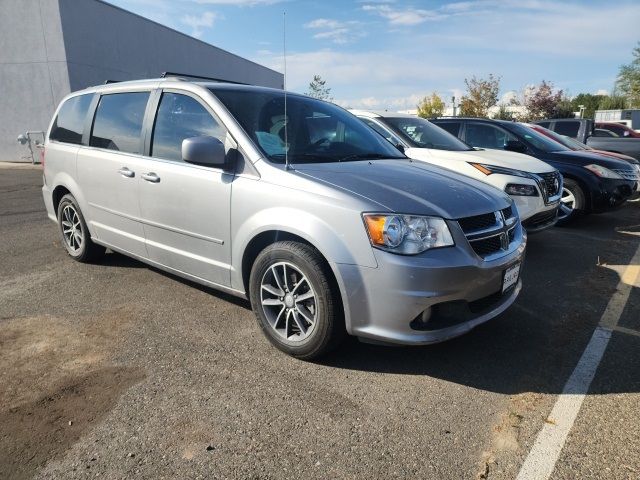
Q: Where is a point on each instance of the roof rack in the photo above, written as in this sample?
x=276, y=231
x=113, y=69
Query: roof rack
x=107, y=82
x=202, y=77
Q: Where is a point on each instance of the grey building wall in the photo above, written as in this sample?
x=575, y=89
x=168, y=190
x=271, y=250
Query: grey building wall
x=49, y=48
x=33, y=70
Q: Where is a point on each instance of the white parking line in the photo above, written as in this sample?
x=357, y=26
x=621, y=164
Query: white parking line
x=545, y=452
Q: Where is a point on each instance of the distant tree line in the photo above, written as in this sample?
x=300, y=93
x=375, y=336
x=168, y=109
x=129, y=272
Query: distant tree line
x=535, y=101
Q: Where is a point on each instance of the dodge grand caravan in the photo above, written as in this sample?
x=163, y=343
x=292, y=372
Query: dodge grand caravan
x=290, y=202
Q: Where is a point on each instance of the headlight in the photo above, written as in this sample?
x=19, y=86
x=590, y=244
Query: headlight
x=602, y=171
x=489, y=169
x=521, y=189
x=407, y=234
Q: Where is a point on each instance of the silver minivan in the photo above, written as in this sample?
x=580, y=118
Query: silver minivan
x=286, y=200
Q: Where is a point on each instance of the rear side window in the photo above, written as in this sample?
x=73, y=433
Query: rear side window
x=487, y=136
x=544, y=124
x=118, y=122
x=69, y=124
x=180, y=117
x=452, y=127
x=569, y=129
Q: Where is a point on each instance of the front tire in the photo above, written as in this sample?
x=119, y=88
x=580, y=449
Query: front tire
x=572, y=203
x=74, y=233
x=295, y=301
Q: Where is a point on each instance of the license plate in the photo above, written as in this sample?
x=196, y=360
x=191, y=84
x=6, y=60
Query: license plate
x=510, y=278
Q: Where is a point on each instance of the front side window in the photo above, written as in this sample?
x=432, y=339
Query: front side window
x=382, y=131
x=179, y=117
x=568, y=129
x=118, y=122
x=69, y=124
x=310, y=131
x=487, y=136
x=421, y=133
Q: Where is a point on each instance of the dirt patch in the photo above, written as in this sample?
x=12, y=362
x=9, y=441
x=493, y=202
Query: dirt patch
x=57, y=383
x=36, y=432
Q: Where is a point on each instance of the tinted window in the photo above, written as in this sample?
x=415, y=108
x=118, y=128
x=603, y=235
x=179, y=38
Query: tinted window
x=487, y=136
x=570, y=129
x=535, y=139
x=544, y=124
x=423, y=134
x=599, y=132
x=382, y=131
x=180, y=117
x=69, y=123
x=118, y=121
x=311, y=130
x=452, y=127
x=620, y=131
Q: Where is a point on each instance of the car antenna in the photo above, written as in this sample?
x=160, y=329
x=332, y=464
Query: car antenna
x=284, y=58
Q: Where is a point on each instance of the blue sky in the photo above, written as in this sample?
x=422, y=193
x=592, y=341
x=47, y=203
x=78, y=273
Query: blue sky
x=389, y=54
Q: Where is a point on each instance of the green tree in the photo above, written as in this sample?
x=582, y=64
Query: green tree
x=613, y=102
x=482, y=94
x=564, y=109
x=628, y=81
x=431, y=106
x=590, y=102
x=318, y=89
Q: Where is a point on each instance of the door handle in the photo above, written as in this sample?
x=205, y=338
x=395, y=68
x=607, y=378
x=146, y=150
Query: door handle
x=151, y=177
x=125, y=172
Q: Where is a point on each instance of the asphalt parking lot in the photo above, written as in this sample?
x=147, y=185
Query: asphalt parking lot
x=119, y=370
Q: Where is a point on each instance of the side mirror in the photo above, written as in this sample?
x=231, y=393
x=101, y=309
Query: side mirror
x=207, y=151
x=515, y=146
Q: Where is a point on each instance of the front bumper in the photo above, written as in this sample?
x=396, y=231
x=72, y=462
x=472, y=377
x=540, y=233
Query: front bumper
x=612, y=193
x=461, y=290
x=543, y=220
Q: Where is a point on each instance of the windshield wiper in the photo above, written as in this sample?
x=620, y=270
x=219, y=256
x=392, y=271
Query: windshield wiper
x=365, y=156
x=304, y=157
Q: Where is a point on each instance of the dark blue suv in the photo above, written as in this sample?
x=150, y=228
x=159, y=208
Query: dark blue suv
x=592, y=183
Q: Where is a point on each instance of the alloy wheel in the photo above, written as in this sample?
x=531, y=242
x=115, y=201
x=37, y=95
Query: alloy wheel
x=567, y=203
x=288, y=301
x=72, y=228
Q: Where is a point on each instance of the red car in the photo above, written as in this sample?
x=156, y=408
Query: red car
x=619, y=129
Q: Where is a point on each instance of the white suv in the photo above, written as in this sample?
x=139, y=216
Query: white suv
x=535, y=186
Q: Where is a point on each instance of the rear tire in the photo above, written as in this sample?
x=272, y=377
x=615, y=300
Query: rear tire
x=295, y=300
x=74, y=233
x=572, y=203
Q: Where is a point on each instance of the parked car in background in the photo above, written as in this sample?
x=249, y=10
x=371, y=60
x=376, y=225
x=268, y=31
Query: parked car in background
x=583, y=130
x=592, y=183
x=574, y=144
x=619, y=129
x=289, y=201
x=534, y=185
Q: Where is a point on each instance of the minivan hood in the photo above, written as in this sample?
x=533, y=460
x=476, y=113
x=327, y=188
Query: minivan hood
x=406, y=186
x=499, y=158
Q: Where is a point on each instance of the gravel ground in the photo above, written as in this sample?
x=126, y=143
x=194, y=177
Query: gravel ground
x=118, y=370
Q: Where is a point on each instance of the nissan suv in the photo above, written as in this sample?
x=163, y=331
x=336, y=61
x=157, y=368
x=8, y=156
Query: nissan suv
x=286, y=200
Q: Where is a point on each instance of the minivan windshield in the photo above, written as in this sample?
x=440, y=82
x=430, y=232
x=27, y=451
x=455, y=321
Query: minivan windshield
x=311, y=131
x=536, y=139
x=421, y=133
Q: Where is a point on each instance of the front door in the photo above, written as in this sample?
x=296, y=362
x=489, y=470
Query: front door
x=185, y=208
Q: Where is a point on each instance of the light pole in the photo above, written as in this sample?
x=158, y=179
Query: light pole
x=453, y=105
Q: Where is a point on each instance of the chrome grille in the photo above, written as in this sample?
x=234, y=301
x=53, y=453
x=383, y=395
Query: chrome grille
x=550, y=185
x=490, y=234
x=629, y=174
